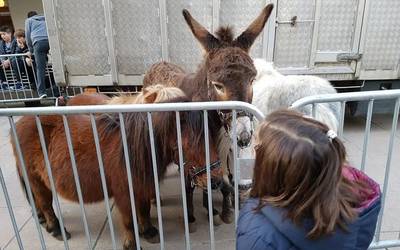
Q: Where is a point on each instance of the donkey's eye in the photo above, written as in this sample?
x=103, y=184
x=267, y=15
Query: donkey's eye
x=218, y=86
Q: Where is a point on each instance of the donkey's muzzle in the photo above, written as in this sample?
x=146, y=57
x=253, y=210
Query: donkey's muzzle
x=244, y=139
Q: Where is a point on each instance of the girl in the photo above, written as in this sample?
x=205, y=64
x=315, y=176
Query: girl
x=304, y=196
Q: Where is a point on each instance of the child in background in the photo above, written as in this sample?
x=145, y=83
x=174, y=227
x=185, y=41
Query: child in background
x=304, y=196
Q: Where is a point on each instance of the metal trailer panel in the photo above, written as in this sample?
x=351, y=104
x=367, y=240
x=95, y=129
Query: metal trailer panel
x=81, y=25
x=381, y=41
x=293, y=43
x=337, y=23
x=239, y=14
x=137, y=35
x=184, y=50
x=146, y=32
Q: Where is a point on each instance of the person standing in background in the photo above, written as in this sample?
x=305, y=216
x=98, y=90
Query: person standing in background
x=38, y=44
x=8, y=45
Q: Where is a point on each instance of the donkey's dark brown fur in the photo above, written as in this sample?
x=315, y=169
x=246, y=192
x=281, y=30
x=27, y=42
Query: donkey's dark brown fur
x=114, y=164
x=226, y=73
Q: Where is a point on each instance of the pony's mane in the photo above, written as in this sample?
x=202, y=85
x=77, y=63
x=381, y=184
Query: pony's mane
x=152, y=94
x=225, y=34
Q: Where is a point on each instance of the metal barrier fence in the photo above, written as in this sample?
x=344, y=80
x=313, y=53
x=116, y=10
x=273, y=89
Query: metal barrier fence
x=18, y=79
x=371, y=97
x=64, y=112
x=120, y=110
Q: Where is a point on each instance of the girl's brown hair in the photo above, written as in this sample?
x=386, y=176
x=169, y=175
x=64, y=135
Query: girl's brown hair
x=299, y=168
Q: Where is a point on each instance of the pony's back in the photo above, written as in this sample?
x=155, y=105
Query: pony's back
x=273, y=91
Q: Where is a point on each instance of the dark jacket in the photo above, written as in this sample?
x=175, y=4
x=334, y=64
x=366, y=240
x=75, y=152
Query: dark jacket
x=13, y=48
x=269, y=229
x=35, y=30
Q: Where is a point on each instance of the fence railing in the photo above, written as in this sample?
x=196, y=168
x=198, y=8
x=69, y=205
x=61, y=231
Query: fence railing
x=121, y=111
x=18, y=79
x=178, y=108
x=371, y=97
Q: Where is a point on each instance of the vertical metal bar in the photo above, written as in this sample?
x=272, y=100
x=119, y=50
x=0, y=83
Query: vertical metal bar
x=53, y=30
x=36, y=80
x=2, y=83
x=182, y=175
x=367, y=132
x=358, y=26
x=20, y=75
x=51, y=179
x=314, y=42
x=163, y=28
x=341, y=122
x=10, y=210
x=388, y=164
x=103, y=179
x=156, y=184
x=27, y=74
x=270, y=33
x=8, y=85
x=235, y=166
x=50, y=81
x=26, y=180
x=76, y=178
x=110, y=40
x=129, y=175
x=209, y=190
x=13, y=78
x=215, y=15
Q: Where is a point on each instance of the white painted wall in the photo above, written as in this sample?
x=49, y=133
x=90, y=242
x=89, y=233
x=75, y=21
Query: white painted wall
x=20, y=8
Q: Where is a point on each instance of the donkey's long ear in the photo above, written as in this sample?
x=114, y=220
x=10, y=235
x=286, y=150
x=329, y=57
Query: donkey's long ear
x=247, y=38
x=207, y=40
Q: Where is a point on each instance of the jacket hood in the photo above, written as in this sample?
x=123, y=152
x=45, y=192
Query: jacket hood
x=360, y=228
x=38, y=18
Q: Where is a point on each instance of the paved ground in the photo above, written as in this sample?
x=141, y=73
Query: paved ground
x=172, y=207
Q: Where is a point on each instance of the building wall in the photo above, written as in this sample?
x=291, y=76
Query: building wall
x=19, y=9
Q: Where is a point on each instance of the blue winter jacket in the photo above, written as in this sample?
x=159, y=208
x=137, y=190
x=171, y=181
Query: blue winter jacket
x=269, y=229
x=35, y=30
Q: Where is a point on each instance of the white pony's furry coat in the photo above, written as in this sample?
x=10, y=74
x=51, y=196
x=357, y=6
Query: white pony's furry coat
x=273, y=91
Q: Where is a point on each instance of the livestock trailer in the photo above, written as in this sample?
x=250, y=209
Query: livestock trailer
x=102, y=43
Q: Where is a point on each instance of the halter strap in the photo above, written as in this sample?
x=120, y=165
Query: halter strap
x=213, y=165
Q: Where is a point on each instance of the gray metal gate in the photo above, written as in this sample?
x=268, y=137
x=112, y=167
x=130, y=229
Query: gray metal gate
x=371, y=97
x=121, y=110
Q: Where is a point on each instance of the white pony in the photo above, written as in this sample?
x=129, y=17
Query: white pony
x=273, y=91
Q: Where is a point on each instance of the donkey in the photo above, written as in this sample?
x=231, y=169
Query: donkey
x=226, y=73
x=113, y=157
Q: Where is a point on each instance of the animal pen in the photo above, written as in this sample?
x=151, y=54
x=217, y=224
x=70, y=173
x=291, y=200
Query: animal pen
x=298, y=38
x=65, y=112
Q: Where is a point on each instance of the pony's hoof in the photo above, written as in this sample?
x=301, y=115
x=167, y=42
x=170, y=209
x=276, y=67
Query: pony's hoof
x=41, y=219
x=58, y=235
x=192, y=227
x=130, y=245
x=227, y=217
x=217, y=220
x=151, y=235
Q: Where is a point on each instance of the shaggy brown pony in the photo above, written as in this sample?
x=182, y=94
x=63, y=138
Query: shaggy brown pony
x=226, y=74
x=108, y=126
x=201, y=180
